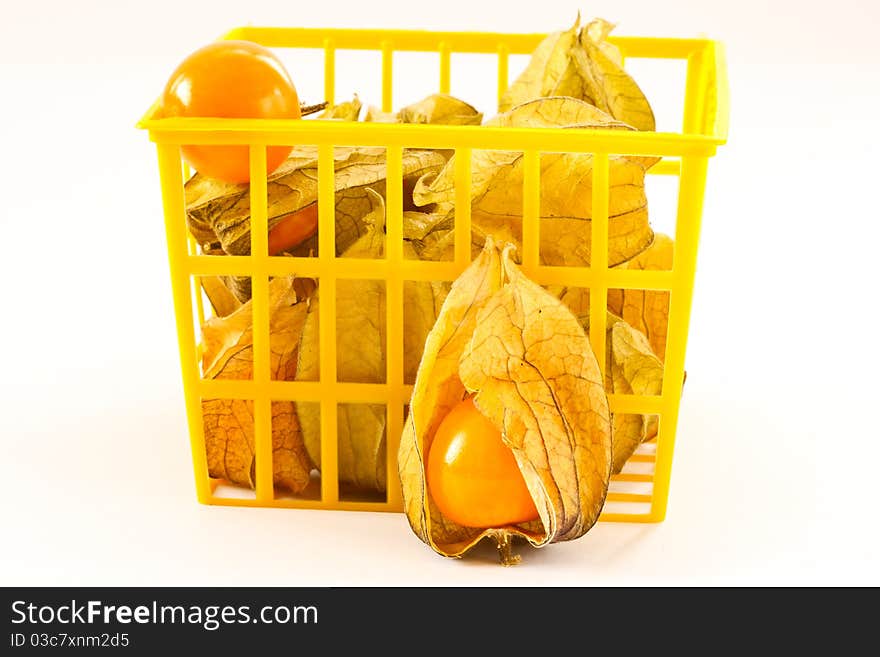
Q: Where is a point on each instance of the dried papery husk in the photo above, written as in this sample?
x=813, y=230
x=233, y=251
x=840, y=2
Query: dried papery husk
x=223, y=301
x=346, y=111
x=566, y=206
x=634, y=369
x=631, y=368
x=637, y=327
x=227, y=353
x=527, y=360
x=374, y=114
x=581, y=63
x=439, y=109
x=647, y=310
x=219, y=213
x=361, y=342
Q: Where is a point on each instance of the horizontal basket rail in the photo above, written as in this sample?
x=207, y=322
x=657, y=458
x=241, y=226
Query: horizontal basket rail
x=437, y=41
x=417, y=270
x=280, y=132
x=371, y=393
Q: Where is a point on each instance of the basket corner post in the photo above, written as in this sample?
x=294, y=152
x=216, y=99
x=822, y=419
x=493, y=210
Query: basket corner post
x=657, y=514
x=203, y=493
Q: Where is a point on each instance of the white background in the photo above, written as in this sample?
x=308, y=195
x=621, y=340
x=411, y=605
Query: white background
x=777, y=445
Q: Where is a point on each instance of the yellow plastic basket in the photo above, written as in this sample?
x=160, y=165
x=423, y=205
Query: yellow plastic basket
x=684, y=154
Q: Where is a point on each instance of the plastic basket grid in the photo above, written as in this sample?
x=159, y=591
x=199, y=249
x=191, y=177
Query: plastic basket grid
x=684, y=155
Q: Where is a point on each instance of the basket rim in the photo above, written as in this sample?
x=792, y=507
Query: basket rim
x=321, y=131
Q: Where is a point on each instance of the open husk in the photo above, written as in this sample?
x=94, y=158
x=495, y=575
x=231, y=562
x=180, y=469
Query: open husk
x=529, y=363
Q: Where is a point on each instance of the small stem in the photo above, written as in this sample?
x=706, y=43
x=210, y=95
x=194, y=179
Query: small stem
x=305, y=110
x=505, y=548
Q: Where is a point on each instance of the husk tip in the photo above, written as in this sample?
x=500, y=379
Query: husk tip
x=504, y=543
